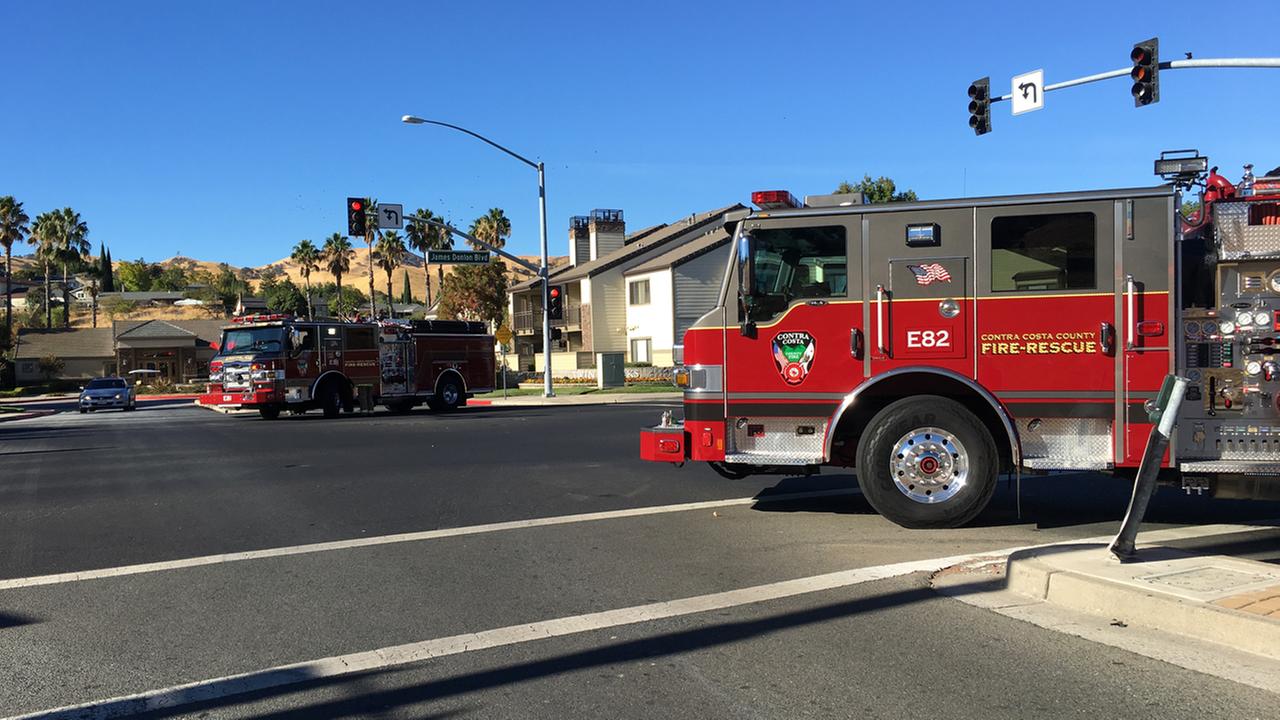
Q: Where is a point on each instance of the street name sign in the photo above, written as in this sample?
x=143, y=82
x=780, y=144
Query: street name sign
x=1028, y=92
x=390, y=217
x=458, y=257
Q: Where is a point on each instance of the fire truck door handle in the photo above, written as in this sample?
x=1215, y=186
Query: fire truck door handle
x=855, y=343
x=880, y=320
x=1130, y=321
x=1106, y=338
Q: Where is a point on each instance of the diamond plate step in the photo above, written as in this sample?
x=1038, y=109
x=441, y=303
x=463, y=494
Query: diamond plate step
x=1231, y=466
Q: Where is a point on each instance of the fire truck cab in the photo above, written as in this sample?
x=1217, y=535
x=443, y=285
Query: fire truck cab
x=275, y=362
x=933, y=345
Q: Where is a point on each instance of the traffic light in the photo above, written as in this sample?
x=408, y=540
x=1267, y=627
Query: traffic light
x=555, y=302
x=1146, y=72
x=356, y=217
x=980, y=106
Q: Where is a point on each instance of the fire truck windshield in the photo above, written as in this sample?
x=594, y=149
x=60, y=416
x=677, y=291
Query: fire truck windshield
x=246, y=340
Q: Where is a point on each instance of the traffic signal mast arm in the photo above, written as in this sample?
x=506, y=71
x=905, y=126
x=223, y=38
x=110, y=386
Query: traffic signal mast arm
x=469, y=238
x=1167, y=65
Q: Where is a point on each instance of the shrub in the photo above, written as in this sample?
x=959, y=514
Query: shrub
x=51, y=365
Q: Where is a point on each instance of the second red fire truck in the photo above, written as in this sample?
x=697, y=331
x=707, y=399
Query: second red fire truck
x=933, y=345
x=274, y=363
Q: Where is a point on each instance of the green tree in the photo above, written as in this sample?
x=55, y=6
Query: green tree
x=285, y=297
x=475, y=292
x=337, y=258
x=424, y=237
x=406, y=293
x=370, y=237
x=1191, y=210
x=879, y=190
x=50, y=365
x=37, y=307
x=388, y=253
x=13, y=229
x=493, y=227
x=172, y=277
x=109, y=274
x=116, y=307
x=45, y=233
x=137, y=275
x=73, y=245
x=307, y=257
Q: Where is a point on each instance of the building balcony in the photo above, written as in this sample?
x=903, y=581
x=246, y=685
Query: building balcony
x=530, y=321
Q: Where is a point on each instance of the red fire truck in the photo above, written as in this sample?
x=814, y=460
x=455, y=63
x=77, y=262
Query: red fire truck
x=932, y=345
x=274, y=363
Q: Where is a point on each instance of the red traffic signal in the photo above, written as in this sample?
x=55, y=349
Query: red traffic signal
x=555, y=302
x=357, y=217
x=1146, y=72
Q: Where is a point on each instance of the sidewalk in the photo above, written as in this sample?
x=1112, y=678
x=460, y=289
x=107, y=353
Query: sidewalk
x=1181, y=584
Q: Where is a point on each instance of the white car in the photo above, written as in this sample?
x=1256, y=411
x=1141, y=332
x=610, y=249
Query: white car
x=108, y=392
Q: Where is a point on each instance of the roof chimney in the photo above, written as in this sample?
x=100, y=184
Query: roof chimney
x=579, y=240
x=607, y=232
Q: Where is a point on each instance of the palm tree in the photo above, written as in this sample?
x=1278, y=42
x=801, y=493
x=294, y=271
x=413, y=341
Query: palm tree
x=421, y=237
x=370, y=236
x=72, y=247
x=13, y=229
x=307, y=256
x=389, y=253
x=45, y=233
x=493, y=227
x=337, y=257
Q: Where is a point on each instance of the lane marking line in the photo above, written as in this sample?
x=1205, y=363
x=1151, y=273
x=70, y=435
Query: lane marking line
x=395, y=655
x=339, y=665
x=182, y=563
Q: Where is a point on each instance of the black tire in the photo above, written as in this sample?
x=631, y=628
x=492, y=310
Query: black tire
x=448, y=395
x=331, y=399
x=269, y=413
x=914, y=451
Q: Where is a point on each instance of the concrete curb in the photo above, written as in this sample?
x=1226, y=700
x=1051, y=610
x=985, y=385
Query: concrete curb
x=577, y=400
x=1085, y=579
x=8, y=417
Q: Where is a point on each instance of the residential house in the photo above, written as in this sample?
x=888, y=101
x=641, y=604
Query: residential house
x=596, y=309
x=179, y=350
x=668, y=293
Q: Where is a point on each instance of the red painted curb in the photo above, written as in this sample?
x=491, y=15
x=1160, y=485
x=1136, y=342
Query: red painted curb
x=479, y=402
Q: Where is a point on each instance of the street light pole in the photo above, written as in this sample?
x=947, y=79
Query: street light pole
x=546, y=285
x=544, y=271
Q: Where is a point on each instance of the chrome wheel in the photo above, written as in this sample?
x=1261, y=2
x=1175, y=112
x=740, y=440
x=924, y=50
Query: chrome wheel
x=449, y=394
x=929, y=465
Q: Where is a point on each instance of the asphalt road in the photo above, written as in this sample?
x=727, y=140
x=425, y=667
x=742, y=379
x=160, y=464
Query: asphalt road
x=92, y=494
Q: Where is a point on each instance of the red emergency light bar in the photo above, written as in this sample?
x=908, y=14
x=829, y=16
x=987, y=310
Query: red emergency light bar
x=774, y=199
x=260, y=318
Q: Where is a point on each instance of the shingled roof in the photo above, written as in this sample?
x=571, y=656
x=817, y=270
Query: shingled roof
x=684, y=252
x=82, y=343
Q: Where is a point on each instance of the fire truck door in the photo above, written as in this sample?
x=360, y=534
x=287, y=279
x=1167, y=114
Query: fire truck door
x=919, y=290
x=330, y=348
x=1046, y=329
x=1144, y=278
x=801, y=348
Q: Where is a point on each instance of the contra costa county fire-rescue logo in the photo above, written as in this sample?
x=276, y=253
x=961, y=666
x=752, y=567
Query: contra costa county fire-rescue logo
x=793, y=354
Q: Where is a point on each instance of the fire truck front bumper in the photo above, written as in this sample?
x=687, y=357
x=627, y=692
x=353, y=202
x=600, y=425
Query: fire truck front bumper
x=664, y=443
x=258, y=396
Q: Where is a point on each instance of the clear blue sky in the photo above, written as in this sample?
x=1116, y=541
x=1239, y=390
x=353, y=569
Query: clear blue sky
x=231, y=130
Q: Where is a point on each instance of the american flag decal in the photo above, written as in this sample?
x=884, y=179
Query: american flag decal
x=929, y=273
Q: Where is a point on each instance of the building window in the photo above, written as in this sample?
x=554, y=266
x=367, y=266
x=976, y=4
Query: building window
x=642, y=350
x=1044, y=252
x=639, y=293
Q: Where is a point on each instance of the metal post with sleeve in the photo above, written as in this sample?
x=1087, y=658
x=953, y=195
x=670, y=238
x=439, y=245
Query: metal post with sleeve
x=1165, y=417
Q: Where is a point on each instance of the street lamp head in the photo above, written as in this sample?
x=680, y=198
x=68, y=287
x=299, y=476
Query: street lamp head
x=412, y=120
